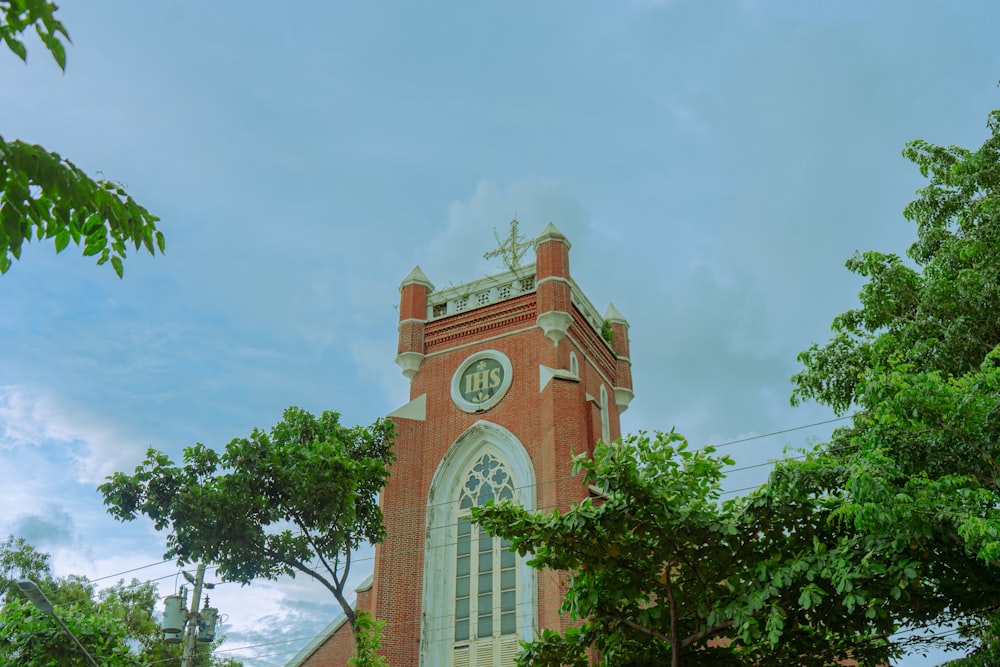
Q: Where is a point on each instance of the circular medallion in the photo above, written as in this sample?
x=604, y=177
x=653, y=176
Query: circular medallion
x=481, y=381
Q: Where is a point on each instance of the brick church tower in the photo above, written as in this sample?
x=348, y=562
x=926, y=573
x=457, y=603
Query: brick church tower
x=510, y=376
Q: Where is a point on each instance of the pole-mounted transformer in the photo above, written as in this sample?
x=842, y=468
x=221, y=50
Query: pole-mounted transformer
x=191, y=627
x=174, y=616
x=206, y=629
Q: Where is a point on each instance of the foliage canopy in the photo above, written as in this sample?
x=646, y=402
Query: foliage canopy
x=45, y=196
x=664, y=572
x=893, y=525
x=919, y=360
x=116, y=625
x=293, y=500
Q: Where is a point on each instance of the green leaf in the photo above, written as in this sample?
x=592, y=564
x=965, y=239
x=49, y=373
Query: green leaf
x=16, y=45
x=43, y=195
x=805, y=599
x=96, y=242
x=54, y=46
x=62, y=240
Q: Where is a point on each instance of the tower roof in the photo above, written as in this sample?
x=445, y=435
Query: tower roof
x=417, y=277
x=552, y=233
x=612, y=315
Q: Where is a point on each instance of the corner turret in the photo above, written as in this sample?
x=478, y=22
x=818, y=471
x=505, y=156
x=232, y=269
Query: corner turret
x=413, y=293
x=553, y=283
x=623, y=364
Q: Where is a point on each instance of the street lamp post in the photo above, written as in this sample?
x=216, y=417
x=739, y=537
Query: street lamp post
x=37, y=598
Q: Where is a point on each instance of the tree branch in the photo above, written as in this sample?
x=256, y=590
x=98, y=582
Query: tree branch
x=636, y=626
x=305, y=569
x=707, y=632
x=675, y=649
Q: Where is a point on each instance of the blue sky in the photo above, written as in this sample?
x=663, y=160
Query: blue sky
x=713, y=163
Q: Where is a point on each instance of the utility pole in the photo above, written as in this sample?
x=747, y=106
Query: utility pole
x=196, y=625
x=193, y=619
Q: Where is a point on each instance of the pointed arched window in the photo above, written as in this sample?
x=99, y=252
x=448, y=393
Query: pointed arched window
x=485, y=574
x=479, y=597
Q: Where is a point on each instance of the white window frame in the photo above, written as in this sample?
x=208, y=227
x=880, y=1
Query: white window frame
x=437, y=626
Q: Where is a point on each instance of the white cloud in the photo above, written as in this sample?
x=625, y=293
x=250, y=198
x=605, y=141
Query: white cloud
x=34, y=419
x=268, y=615
x=26, y=420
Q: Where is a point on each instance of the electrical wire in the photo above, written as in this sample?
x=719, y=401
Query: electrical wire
x=399, y=631
x=417, y=508
x=134, y=569
x=396, y=513
x=786, y=430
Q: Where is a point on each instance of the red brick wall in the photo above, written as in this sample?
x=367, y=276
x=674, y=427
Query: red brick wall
x=335, y=651
x=553, y=425
x=413, y=302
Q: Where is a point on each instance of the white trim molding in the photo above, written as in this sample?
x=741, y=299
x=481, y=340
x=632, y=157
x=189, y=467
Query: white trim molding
x=438, y=598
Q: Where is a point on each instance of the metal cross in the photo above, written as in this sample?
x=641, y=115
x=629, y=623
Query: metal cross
x=512, y=249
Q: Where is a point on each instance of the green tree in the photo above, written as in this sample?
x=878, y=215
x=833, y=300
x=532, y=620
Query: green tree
x=919, y=361
x=45, y=196
x=664, y=572
x=131, y=605
x=119, y=615
x=34, y=639
x=20, y=560
x=295, y=500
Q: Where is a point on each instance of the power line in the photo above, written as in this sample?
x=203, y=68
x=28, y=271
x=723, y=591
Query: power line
x=786, y=430
x=134, y=569
x=424, y=507
x=417, y=508
x=554, y=480
x=274, y=643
